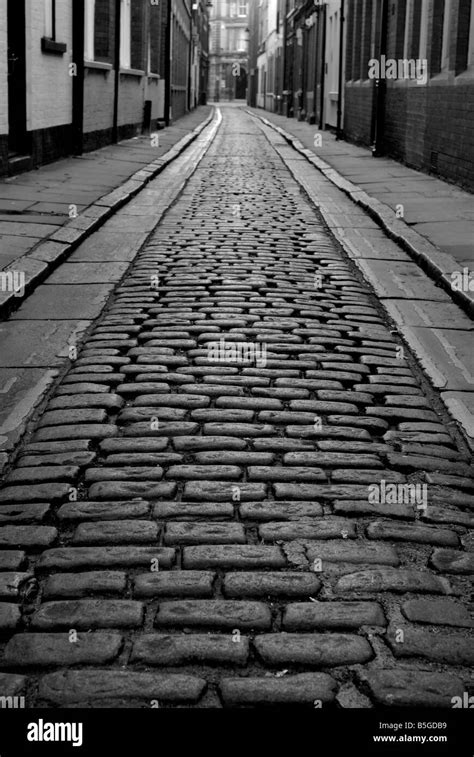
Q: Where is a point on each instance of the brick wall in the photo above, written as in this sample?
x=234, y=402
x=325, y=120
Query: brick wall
x=98, y=101
x=131, y=100
x=358, y=100
x=435, y=119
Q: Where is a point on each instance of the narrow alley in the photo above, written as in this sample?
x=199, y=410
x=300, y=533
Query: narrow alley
x=242, y=489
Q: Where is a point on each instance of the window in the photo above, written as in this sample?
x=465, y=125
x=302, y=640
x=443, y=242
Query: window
x=413, y=30
x=242, y=8
x=236, y=40
x=437, y=34
x=396, y=44
x=357, y=39
x=97, y=31
x=470, y=53
x=126, y=34
x=132, y=35
x=50, y=19
x=157, y=40
x=366, y=39
x=137, y=34
x=446, y=36
x=465, y=34
x=424, y=30
x=350, y=42
x=89, y=12
x=48, y=41
x=102, y=31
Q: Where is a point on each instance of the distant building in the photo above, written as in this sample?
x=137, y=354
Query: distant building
x=228, y=49
x=79, y=74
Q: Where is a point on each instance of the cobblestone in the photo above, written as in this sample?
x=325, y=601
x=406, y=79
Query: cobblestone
x=453, y=649
x=310, y=615
x=85, y=614
x=159, y=649
x=214, y=614
x=389, y=579
x=305, y=688
x=225, y=515
x=83, y=687
x=46, y=649
x=313, y=650
x=413, y=688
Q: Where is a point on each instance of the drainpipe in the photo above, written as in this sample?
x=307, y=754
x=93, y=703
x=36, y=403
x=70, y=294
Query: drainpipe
x=339, y=130
x=380, y=88
x=118, y=24
x=78, y=80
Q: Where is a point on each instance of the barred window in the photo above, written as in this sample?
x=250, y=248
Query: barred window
x=102, y=33
x=137, y=34
x=437, y=36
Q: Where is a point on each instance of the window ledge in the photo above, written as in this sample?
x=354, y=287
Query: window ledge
x=442, y=77
x=51, y=46
x=464, y=76
x=406, y=83
x=98, y=64
x=131, y=72
x=154, y=76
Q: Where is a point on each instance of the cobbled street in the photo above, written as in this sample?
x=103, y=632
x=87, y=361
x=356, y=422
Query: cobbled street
x=243, y=491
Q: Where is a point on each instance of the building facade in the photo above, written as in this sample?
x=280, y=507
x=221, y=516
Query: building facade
x=228, y=49
x=394, y=75
x=79, y=74
x=421, y=107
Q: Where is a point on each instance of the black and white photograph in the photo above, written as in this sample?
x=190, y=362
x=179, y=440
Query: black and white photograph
x=236, y=374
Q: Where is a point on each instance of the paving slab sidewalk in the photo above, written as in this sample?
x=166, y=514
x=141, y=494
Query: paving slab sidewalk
x=47, y=212
x=435, y=219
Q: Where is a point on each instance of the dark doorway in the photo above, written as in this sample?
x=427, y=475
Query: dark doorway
x=17, y=136
x=241, y=85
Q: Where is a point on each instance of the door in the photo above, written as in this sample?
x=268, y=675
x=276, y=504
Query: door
x=241, y=84
x=17, y=137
